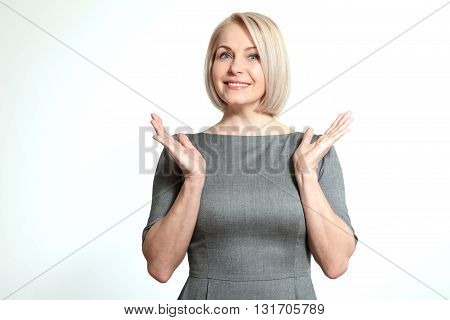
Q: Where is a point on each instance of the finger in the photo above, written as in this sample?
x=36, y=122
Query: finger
x=161, y=133
x=157, y=124
x=346, y=116
x=184, y=139
x=307, y=137
x=339, y=134
x=337, y=122
x=174, y=147
x=333, y=125
x=336, y=134
x=165, y=138
x=343, y=125
x=153, y=125
x=343, y=120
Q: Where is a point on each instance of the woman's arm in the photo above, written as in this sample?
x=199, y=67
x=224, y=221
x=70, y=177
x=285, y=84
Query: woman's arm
x=167, y=241
x=330, y=239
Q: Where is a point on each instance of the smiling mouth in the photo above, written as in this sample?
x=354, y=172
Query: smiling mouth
x=236, y=84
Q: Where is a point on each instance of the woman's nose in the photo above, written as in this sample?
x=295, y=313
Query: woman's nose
x=237, y=66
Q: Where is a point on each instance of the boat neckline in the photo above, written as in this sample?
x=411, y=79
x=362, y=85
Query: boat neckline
x=240, y=136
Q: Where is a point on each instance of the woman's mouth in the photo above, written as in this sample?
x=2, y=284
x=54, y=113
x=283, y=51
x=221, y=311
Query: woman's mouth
x=236, y=85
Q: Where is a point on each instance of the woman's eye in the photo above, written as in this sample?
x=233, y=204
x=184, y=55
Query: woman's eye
x=256, y=56
x=223, y=54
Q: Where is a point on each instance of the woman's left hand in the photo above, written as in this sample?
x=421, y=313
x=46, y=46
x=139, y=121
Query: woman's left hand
x=307, y=156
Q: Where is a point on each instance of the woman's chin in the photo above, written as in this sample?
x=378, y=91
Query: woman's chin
x=240, y=102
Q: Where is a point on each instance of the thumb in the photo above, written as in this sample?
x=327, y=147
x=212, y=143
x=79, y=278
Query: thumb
x=307, y=137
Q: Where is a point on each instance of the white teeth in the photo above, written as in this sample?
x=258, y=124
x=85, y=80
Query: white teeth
x=238, y=84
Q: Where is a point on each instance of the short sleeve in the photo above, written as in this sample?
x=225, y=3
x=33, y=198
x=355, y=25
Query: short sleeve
x=331, y=181
x=167, y=182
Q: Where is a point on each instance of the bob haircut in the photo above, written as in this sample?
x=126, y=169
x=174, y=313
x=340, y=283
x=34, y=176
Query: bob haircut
x=273, y=56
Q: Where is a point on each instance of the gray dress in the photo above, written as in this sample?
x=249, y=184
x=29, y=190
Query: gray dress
x=250, y=238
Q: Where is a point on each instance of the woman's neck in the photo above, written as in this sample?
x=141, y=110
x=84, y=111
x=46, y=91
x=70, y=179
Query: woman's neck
x=249, y=124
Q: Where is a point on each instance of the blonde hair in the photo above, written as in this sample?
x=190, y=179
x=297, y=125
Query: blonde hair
x=273, y=56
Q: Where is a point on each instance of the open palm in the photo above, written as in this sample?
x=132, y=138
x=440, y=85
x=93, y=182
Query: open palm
x=188, y=158
x=307, y=156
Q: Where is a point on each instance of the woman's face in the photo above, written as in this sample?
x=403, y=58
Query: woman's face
x=237, y=73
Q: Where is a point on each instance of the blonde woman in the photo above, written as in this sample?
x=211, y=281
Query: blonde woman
x=248, y=199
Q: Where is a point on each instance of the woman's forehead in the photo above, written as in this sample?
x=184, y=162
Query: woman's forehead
x=234, y=36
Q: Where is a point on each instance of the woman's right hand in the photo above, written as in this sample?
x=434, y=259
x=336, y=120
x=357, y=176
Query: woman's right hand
x=188, y=158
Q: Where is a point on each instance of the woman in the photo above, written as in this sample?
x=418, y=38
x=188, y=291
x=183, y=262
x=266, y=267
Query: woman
x=248, y=205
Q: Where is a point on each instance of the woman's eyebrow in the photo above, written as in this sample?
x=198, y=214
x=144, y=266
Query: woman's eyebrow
x=227, y=47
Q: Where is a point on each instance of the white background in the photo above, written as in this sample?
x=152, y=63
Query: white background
x=70, y=148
